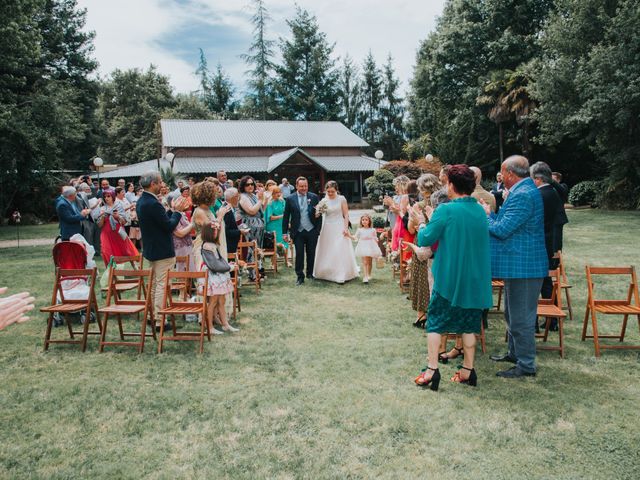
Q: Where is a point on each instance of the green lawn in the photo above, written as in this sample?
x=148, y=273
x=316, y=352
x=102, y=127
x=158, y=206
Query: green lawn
x=48, y=230
x=319, y=384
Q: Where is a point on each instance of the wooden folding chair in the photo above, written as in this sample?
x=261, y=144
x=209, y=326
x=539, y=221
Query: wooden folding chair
x=497, y=285
x=184, y=287
x=136, y=262
x=243, y=249
x=565, y=286
x=405, y=282
x=65, y=306
x=232, y=258
x=550, y=309
x=119, y=307
x=272, y=253
x=174, y=307
x=624, y=307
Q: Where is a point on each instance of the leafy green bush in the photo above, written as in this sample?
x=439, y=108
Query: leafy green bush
x=586, y=193
x=379, y=222
x=403, y=167
x=379, y=183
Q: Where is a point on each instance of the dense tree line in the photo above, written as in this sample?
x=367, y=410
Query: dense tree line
x=55, y=114
x=556, y=80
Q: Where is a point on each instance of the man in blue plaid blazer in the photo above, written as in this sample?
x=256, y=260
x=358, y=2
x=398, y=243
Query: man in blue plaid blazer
x=519, y=257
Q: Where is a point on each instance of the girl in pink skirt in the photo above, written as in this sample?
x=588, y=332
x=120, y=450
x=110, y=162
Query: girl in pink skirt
x=218, y=284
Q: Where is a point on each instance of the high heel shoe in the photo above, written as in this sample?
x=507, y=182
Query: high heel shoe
x=442, y=358
x=472, y=381
x=433, y=383
x=420, y=323
x=443, y=355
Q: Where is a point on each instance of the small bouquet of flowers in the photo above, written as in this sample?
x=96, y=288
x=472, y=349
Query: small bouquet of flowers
x=322, y=207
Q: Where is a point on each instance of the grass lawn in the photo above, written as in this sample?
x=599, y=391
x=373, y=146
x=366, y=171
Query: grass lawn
x=319, y=384
x=48, y=230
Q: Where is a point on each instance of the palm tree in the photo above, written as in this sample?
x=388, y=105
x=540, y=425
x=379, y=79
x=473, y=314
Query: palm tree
x=506, y=93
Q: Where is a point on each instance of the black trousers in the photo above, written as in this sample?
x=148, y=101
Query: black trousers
x=305, y=243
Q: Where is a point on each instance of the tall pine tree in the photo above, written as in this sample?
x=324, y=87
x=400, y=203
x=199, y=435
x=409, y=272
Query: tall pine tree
x=260, y=101
x=369, y=124
x=391, y=113
x=307, y=81
x=349, y=92
x=222, y=92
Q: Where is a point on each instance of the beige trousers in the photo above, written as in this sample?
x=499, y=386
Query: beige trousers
x=160, y=268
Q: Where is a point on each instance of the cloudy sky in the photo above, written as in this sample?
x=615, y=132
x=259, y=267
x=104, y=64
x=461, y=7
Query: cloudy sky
x=168, y=33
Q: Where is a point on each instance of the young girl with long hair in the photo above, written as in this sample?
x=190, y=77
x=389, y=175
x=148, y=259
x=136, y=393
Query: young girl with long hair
x=218, y=284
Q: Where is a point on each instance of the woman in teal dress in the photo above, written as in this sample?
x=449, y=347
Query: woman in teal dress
x=461, y=273
x=273, y=219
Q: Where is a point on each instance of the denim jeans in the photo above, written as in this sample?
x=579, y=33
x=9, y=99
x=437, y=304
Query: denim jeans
x=520, y=306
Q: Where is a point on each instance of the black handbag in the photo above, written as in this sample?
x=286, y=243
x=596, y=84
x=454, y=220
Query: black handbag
x=214, y=261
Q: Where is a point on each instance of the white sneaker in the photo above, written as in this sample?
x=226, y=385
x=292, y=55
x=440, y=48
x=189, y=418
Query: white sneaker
x=365, y=280
x=231, y=329
x=215, y=331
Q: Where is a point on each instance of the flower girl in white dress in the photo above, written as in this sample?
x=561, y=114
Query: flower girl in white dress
x=367, y=247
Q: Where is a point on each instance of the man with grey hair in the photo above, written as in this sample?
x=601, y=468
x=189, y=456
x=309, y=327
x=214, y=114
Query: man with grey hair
x=480, y=193
x=519, y=258
x=156, y=226
x=286, y=188
x=69, y=215
x=232, y=232
x=551, y=203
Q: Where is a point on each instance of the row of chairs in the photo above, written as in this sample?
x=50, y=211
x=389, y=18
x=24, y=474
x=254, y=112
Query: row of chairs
x=70, y=260
x=550, y=309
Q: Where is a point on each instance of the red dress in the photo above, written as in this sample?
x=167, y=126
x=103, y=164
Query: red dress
x=112, y=245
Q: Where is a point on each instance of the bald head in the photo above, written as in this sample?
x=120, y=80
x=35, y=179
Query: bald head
x=514, y=169
x=477, y=173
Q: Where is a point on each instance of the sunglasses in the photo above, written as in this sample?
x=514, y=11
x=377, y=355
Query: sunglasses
x=250, y=184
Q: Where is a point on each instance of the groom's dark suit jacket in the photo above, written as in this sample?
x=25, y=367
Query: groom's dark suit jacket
x=291, y=215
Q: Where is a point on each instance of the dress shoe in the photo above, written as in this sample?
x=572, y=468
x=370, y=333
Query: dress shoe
x=515, y=372
x=503, y=358
x=310, y=277
x=299, y=282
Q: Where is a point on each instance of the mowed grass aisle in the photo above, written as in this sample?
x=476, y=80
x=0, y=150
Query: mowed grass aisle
x=319, y=384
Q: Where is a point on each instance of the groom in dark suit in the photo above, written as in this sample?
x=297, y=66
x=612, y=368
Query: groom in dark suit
x=299, y=222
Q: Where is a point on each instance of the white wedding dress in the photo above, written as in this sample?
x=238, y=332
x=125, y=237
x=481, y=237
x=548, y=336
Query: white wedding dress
x=335, y=258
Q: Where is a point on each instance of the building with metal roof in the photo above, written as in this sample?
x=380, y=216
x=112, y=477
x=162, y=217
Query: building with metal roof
x=320, y=151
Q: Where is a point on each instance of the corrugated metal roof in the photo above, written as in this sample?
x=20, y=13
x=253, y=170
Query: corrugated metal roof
x=135, y=170
x=278, y=159
x=257, y=133
x=200, y=165
x=361, y=163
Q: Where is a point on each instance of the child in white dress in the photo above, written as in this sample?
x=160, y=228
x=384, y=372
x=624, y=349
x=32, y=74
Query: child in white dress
x=367, y=246
x=218, y=284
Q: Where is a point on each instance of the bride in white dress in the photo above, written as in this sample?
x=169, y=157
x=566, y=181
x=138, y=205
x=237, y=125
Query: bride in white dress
x=335, y=257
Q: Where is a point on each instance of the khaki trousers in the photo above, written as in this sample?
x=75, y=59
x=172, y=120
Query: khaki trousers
x=160, y=268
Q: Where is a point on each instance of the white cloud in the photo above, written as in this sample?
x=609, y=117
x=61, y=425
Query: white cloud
x=130, y=33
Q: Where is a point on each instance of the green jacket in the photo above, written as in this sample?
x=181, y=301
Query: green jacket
x=462, y=264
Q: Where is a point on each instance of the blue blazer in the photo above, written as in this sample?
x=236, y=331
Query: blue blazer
x=156, y=227
x=517, y=235
x=291, y=214
x=70, y=219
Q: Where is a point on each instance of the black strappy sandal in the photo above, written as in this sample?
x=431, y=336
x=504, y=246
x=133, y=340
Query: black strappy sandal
x=472, y=381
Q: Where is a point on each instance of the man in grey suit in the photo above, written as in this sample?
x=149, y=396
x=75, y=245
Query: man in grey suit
x=300, y=224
